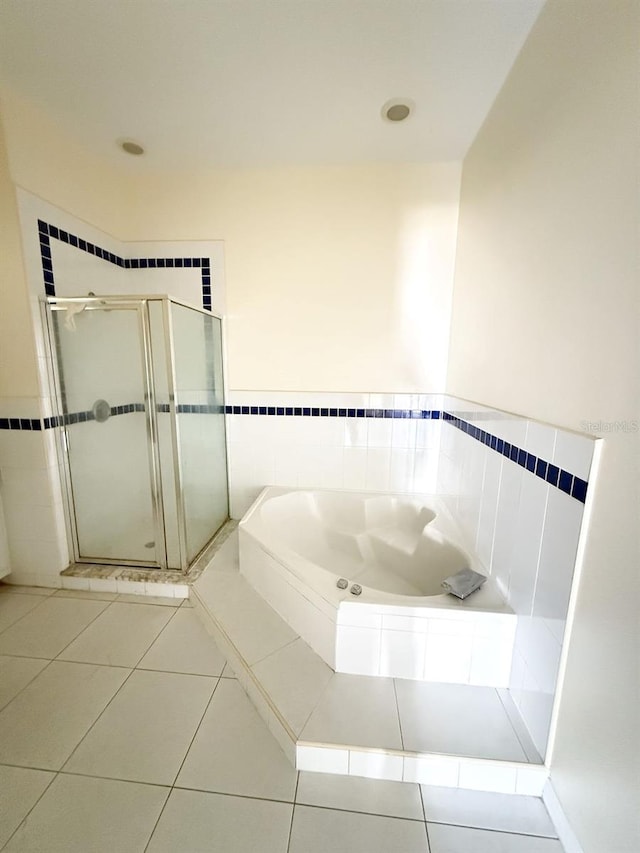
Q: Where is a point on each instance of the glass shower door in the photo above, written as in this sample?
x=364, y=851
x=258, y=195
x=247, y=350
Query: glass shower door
x=106, y=400
x=199, y=394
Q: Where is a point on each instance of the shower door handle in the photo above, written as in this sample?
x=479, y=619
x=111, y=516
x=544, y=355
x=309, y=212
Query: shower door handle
x=101, y=411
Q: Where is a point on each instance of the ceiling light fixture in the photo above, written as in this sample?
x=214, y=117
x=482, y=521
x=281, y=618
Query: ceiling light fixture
x=397, y=109
x=131, y=147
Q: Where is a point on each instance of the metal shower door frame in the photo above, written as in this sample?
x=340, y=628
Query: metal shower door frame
x=139, y=304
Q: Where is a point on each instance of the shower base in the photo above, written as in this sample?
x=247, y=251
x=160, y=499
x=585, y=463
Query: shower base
x=98, y=577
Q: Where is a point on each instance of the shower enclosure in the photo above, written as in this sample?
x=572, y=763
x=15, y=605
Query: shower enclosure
x=140, y=410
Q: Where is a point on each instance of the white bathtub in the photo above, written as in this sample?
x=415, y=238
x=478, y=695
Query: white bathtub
x=295, y=545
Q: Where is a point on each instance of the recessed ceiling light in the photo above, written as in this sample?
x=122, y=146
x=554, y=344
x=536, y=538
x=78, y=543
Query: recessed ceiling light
x=397, y=109
x=131, y=147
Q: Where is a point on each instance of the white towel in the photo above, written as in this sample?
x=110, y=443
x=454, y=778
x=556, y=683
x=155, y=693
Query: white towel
x=72, y=310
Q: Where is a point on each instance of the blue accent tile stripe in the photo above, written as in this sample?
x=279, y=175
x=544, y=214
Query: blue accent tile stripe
x=552, y=474
x=46, y=231
x=332, y=412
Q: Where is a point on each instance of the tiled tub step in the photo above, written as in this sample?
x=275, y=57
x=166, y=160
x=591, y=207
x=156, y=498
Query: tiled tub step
x=441, y=734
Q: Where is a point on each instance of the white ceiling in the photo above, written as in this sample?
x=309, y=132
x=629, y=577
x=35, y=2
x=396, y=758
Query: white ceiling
x=217, y=83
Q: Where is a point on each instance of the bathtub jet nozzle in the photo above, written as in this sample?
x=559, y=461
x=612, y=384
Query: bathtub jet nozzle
x=343, y=583
x=356, y=589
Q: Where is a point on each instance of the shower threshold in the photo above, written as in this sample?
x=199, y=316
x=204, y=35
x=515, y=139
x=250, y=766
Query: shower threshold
x=98, y=577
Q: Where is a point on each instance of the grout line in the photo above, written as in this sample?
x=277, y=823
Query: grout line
x=155, y=825
x=424, y=814
x=395, y=693
x=82, y=630
x=22, y=689
x=91, y=727
x=361, y=811
x=230, y=794
x=526, y=748
x=275, y=651
x=26, y=817
x=493, y=829
x=195, y=732
x=157, y=636
x=293, y=810
x=24, y=615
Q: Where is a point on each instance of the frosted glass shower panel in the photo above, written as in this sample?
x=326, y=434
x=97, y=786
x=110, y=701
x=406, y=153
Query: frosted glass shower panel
x=197, y=346
x=102, y=370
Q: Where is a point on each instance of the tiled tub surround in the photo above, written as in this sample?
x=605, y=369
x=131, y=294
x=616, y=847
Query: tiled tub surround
x=523, y=516
x=372, y=442
x=295, y=545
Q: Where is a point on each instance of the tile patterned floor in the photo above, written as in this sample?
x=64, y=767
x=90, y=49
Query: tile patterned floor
x=122, y=729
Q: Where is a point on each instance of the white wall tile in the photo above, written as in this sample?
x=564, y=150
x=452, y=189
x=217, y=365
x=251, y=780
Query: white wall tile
x=378, y=468
x=355, y=468
x=448, y=659
x=574, y=453
x=402, y=654
x=528, y=539
x=485, y=776
x=490, y=662
x=357, y=650
x=530, y=781
x=541, y=440
x=401, y=470
x=560, y=535
x=504, y=543
x=431, y=770
x=322, y=760
x=376, y=765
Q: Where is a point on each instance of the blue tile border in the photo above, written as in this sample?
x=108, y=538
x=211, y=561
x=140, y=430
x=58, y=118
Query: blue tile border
x=563, y=480
x=333, y=412
x=567, y=482
x=21, y=424
x=552, y=474
x=46, y=231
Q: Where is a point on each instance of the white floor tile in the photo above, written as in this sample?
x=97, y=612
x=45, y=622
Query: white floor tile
x=358, y=711
x=45, y=722
x=456, y=719
x=14, y=607
x=184, y=646
x=120, y=636
x=348, y=793
x=50, y=627
x=234, y=752
x=295, y=677
x=195, y=822
x=77, y=815
x=502, y=812
x=15, y=674
x=21, y=789
x=459, y=839
x=321, y=830
x=144, y=734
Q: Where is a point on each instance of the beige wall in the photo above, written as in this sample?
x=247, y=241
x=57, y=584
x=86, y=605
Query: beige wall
x=50, y=163
x=545, y=323
x=338, y=279
x=18, y=364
